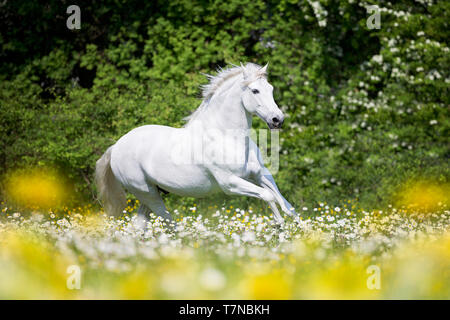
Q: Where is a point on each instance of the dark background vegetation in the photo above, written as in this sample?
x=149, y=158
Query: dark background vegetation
x=368, y=110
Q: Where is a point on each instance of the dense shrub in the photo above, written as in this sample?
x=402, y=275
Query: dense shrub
x=368, y=109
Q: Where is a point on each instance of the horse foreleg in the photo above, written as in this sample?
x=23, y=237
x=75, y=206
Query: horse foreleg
x=232, y=184
x=268, y=182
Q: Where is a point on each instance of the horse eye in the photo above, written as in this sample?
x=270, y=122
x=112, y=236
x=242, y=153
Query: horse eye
x=255, y=91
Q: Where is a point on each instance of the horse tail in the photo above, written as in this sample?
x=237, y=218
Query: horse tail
x=111, y=192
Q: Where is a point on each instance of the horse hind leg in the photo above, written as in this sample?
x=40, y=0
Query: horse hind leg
x=151, y=201
x=143, y=211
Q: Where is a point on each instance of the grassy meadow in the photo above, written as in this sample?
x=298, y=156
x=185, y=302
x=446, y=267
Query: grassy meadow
x=210, y=252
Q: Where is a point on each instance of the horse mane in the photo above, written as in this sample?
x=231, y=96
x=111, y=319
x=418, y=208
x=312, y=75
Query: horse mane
x=217, y=81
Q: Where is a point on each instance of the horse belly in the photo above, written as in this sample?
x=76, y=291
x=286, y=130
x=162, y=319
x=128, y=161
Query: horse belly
x=191, y=183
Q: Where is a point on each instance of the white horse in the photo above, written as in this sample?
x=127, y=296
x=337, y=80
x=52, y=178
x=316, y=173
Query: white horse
x=211, y=153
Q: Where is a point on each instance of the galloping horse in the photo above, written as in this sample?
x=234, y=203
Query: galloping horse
x=213, y=152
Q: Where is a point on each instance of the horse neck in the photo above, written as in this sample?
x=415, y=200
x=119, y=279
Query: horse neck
x=226, y=112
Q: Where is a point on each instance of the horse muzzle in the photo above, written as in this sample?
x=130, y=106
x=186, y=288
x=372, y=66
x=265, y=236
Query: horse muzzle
x=275, y=122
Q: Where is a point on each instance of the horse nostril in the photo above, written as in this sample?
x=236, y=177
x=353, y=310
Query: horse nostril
x=275, y=120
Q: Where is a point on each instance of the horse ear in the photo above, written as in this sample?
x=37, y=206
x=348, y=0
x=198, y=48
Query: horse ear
x=245, y=71
x=264, y=69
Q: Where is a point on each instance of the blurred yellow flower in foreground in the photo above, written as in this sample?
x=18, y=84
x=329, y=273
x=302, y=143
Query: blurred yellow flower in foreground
x=32, y=268
x=137, y=285
x=424, y=195
x=268, y=286
x=36, y=188
x=343, y=279
x=420, y=270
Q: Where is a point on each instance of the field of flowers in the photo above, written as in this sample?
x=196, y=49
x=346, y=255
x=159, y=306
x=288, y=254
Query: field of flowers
x=227, y=253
